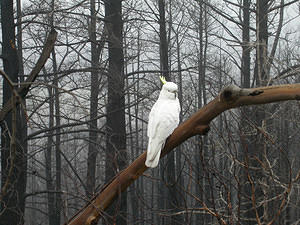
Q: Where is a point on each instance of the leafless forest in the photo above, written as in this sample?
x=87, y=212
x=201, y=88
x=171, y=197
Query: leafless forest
x=78, y=80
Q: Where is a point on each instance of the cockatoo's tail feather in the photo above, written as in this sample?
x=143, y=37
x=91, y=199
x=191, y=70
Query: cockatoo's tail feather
x=153, y=152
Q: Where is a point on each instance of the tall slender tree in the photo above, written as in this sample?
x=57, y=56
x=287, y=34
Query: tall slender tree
x=256, y=149
x=167, y=167
x=202, y=100
x=246, y=48
x=48, y=160
x=58, y=163
x=13, y=154
x=116, y=153
x=243, y=203
x=92, y=145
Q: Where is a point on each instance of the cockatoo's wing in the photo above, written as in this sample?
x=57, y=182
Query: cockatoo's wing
x=152, y=120
x=163, y=119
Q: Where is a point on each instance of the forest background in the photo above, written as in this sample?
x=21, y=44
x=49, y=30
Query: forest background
x=84, y=118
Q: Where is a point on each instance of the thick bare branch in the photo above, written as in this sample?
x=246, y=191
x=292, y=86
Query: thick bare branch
x=231, y=97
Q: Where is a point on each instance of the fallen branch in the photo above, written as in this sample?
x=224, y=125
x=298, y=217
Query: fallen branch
x=198, y=124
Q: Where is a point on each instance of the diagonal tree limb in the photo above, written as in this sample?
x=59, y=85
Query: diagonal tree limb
x=231, y=97
x=23, y=90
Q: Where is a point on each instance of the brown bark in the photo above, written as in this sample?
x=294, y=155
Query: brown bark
x=230, y=97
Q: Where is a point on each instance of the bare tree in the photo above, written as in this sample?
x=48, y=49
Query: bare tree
x=92, y=151
x=167, y=168
x=13, y=155
x=232, y=96
x=9, y=179
x=116, y=152
x=221, y=178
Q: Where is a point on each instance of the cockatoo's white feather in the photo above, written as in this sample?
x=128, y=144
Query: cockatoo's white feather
x=163, y=119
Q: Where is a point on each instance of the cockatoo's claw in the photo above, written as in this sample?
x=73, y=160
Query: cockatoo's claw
x=163, y=79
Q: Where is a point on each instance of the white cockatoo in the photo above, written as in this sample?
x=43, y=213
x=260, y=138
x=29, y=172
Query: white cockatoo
x=163, y=119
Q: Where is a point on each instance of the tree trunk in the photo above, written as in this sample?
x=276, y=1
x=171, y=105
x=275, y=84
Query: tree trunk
x=261, y=63
x=243, y=202
x=181, y=196
x=55, y=216
x=92, y=145
x=116, y=153
x=256, y=148
x=58, y=200
x=163, y=44
x=13, y=154
x=167, y=167
x=48, y=160
x=245, y=67
x=201, y=97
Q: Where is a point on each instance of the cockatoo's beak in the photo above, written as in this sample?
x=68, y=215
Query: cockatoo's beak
x=175, y=94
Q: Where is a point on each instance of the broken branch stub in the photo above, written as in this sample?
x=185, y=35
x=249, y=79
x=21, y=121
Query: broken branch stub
x=233, y=92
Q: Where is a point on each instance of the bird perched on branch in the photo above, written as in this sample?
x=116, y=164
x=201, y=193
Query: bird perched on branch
x=163, y=119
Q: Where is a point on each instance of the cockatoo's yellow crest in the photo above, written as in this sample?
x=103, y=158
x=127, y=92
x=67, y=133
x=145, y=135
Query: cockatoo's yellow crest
x=163, y=79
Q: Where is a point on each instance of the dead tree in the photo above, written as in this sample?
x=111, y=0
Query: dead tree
x=198, y=124
x=11, y=175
